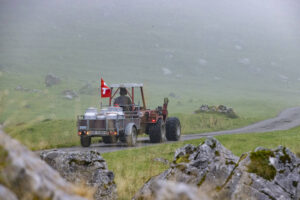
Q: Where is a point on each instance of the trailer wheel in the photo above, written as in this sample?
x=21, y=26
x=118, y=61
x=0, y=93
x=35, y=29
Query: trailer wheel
x=85, y=141
x=173, y=129
x=157, y=132
x=109, y=139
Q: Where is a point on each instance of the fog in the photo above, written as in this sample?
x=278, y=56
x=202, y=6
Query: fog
x=248, y=44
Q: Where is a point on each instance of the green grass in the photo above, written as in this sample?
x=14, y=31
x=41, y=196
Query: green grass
x=46, y=134
x=209, y=122
x=130, y=176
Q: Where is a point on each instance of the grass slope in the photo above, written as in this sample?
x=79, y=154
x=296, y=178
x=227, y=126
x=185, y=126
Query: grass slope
x=130, y=176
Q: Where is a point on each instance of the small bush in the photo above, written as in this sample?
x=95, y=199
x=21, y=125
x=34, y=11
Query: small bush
x=260, y=164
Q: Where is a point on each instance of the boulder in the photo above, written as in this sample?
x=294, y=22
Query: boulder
x=23, y=175
x=169, y=190
x=69, y=94
x=19, y=88
x=262, y=174
x=88, y=89
x=172, y=94
x=86, y=167
x=51, y=80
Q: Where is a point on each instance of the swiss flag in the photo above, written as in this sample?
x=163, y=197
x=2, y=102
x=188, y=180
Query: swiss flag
x=105, y=90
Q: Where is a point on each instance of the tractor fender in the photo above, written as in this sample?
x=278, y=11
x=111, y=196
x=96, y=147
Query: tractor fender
x=128, y=128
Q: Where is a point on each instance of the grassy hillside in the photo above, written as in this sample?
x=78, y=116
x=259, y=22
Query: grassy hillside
x=130, y=176
x=241, y=54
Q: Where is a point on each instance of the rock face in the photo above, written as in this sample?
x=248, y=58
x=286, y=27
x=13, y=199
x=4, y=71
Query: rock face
x=263, y=174
x=83, y=167
x=23, y=175
x=51, y=80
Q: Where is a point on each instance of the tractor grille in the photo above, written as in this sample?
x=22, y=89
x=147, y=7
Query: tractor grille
x=98, y=124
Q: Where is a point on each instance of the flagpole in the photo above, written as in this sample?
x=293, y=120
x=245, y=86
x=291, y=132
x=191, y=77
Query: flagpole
x=100, y=94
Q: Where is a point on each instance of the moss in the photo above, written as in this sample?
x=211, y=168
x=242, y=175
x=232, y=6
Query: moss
x=201, y=181
x=219, y=188
x=3, y=156
x=79, y=162
x=295, y=183
x=3, y=163
x=260, y=164
x=213, y=145
x=183, y=159
x=217, y=153
x=230, y=162
x=285, y=158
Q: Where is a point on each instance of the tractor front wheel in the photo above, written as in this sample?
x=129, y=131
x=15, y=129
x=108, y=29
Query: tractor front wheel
x=131, y=138
x=85, y=141
x=157, y=132
x=173, y=129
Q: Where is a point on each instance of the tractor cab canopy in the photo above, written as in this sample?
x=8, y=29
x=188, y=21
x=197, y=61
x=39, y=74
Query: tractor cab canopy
x=130, y=88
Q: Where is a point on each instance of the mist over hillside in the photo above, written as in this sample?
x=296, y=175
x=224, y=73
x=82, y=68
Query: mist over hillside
x=228, y=49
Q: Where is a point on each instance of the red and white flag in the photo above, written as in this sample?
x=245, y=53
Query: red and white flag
x=105, y=90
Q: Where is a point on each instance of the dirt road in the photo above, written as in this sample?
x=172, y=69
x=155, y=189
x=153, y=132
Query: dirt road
x=287, y=119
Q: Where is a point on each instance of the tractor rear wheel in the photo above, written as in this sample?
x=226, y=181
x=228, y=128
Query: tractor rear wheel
x=157, y=132
x=173, y=129
x=85, y=141
x=109, y=139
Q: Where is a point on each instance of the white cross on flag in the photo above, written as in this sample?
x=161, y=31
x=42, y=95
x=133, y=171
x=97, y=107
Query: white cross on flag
x=105, y=90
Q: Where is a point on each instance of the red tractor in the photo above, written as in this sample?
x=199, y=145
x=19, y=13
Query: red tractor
x=125, y=122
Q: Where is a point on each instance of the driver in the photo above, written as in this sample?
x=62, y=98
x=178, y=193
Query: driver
x=123, y=100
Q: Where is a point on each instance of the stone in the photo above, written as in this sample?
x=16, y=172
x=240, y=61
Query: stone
x=218, y=174
x=168, y=190
x=86, y=167
x=88, y=89
x=19, y=88
x=69, y=94
x=23, y=175
x=51, y=80
x=172, y=94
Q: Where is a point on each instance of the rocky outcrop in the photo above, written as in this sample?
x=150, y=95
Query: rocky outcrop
x=262, y=174
x=23, y=175
x=51, y=80
x=229, y=112
x=83, y=167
